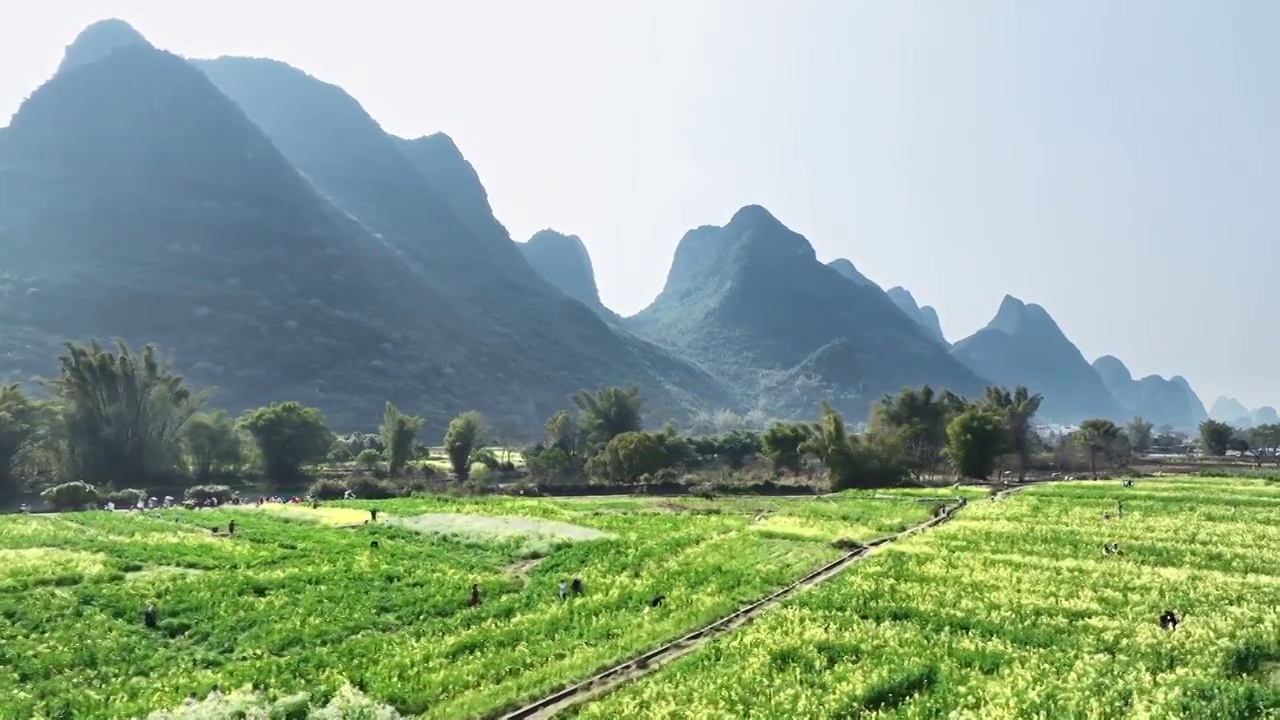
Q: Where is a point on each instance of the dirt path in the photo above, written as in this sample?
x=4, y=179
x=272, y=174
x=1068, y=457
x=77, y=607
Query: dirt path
x=604, y=682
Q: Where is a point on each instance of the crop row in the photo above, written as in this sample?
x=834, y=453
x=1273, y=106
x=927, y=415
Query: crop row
x=1013, y=610
x=288, y=604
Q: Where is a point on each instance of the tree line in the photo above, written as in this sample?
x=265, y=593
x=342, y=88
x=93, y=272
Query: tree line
x=115, y=419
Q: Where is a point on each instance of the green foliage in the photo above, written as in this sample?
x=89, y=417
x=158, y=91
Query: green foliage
x=976, y=439
x=214, y=445
x=1017, y=409
x=126, y=498
x=1263, y=442
x=736, y=448
x=916, y=422
x=201, y=493
x=782, y=444
x=21, y=420
x=552, y=464
x=630, y=457
x=72, y=496
x=609, y=413
x=327, y=489
x=1215, y=436
x=1140, y=434
x=1099, y=436
x=288, y=435
x=851, y=461
x=367, y=488
x=369, y=458
x=399, y=432
x=466, y=433
x=124, y=417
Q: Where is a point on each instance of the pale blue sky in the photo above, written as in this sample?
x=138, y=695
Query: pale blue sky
x=1112, y=160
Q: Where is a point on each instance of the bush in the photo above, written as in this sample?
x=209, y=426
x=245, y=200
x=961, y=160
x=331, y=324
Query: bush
x=339, y=454
x=327, y=489
x=201, y=493
x=367, y=488
x=128, y=497
x=72, y=496
x=486, y=458
x=630, y=456
x=369, y=459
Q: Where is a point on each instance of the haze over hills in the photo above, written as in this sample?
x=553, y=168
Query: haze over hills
x=1231, y=411
x=138, y=201
x=1022, y=345
x=1159, y=401
x=751, y=302
x=563, y=259
x=424, y=197
x=926, y=317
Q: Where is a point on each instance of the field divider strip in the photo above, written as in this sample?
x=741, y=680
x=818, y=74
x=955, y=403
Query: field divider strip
x=628, y=670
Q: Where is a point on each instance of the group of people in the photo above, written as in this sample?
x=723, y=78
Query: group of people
x=566, y=588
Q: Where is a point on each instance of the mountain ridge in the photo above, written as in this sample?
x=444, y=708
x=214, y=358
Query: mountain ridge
x=1023, y=345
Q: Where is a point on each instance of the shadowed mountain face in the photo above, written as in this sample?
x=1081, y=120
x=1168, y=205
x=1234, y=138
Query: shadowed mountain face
x=1159, y=401
x=1230, y=411
x=751, y=302
x=563, y=260
x=521, y=345
x=1198, y=413
x=926, y=317
x=137, y=201
x=1022, y=345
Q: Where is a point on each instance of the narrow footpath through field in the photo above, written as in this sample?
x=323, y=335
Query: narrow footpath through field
x=614, y=677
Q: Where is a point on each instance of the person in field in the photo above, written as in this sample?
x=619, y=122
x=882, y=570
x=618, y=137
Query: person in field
x=1119, y=509
x=373, y=513
x=475, y=595
x=657, y=600
x=231, y=528
x=577, y=585
x=149, y=617
x=564, y=589
x=1169, y=620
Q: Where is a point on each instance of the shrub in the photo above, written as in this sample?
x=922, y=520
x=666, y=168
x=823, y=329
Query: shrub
x=289, y=435
x=327, y=489
x=339, y=454
x=486, y=458
x=201, y=493
x=72, y=496
x=629, y=457
x=369, y=458
x=367, y=488
x=128, y=497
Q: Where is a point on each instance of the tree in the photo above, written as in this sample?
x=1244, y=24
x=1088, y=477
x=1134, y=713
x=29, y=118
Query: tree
x=288, y=435
x=630, y=456
x=1098, y=436
x=464, y=436
x=123, y=417
x=1263, y=442
x=976, y=439
x=736, y=447
x=213, y=444
x=562, y=432
x=369, y=458
x=916, y=421
x=1215, y=436
x=781, y=445
x=609, y=413
x=1017, y=409
x=21, y=420
x=1140, y=435
x=399, y=431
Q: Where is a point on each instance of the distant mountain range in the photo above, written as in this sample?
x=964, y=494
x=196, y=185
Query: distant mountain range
x=256, y=223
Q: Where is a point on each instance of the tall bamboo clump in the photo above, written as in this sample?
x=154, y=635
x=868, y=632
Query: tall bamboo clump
x=123, y=416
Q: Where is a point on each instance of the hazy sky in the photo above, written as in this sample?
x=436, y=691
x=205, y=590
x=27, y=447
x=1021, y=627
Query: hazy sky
x=1114, y=161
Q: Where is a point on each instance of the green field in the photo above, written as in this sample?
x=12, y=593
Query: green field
x=298, y=600
x=1012, y=611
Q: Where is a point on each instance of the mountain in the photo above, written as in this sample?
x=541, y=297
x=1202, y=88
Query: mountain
x=1265, y=415
x=1022, y=345
x=137, y=201
x=517, y=346
x=1159, y=401
x=1198, y=413
x=926, y=317
x=751, y=302
x=99, y=40
x=1230, y=411
x=847, y=269
x=563, y=259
